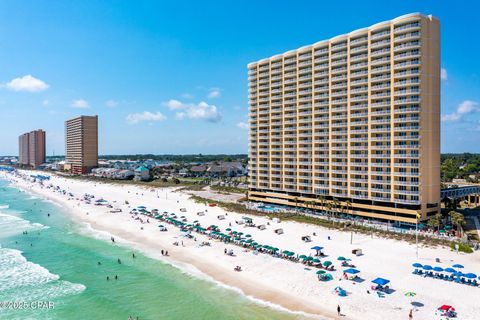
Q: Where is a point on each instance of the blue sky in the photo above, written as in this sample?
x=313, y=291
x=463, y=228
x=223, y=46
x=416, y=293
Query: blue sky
x=171, y=77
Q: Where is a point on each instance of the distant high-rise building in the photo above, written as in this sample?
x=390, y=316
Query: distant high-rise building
x=351, y=124
x=31, y=148
x=81, y=144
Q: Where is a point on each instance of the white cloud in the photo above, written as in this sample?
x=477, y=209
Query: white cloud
x=27, y=83
x=443, y=74
x=135, y=118
x=463, y=109
x=202, y=110
x=187, y=96
x=214, y=93
x=45, y=102
x=111, y=103
x=242, y=125
x=80, y=104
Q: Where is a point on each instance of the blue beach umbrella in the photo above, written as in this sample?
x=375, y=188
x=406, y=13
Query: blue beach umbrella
x=427, y=267
x=381, y=281
x=351, y=271
x=459, y=266
x=438, y=269
x=470, y=275
x=316, y=248
x=417, y=265
x=450, y=270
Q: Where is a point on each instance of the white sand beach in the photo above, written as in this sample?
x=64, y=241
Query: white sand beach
x=290, y=285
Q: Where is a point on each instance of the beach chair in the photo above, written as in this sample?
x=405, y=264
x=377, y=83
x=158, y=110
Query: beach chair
x=380, y=294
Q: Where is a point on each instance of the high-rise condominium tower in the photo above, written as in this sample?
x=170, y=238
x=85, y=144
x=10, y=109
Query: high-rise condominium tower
x=81, y=144
x=351, y=124
x=31, y=148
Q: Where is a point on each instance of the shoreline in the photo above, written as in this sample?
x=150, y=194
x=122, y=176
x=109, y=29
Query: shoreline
x=256, y=293
x=268, y=281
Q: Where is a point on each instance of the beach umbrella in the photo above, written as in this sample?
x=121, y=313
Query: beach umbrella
x=248, y=236
x=427, y=267
x=341, y=258
x=327, y=263
x=451, y=270
x=353, y=271
x=303, y=256
x=234, y=232
x=459, y=266
x=285, y=252
x=309, y=258
x=410, y=294
x=290, y=253
x=240, y=233
x=228, y=229
x=316, y=248
x=381, y=281
x=321, y=272
x=446, y=308
x=275, y=249
x=470, y=275
x=142, y=207
x=417, y=265
x=438, y=269
x=316, y=260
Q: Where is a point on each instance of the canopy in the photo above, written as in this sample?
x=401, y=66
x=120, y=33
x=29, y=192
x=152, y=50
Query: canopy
x=316, y=248
x=417, y=265
x=457, y=266
x=446, y=308
x=381, y=281
x=351, y=271
x=438, y=269
x=427, y=267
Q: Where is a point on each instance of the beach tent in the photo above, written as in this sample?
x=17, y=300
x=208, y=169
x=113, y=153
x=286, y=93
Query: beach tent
x=381, y=281
x=351, y=271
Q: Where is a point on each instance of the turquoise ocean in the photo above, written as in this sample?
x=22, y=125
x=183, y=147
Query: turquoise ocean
x=54, y=260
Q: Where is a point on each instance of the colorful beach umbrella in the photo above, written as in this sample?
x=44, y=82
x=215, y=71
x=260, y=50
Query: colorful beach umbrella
x=410, y=294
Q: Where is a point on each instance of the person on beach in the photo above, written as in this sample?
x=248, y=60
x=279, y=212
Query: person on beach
x=338, y=310
x=166, y=253
x=108, y=278
x=410, y=315
x=133, y=255
x=116, y=277
x=119, y=261
x=163, y=253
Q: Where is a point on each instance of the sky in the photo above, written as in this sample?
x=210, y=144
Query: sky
x=170, y=77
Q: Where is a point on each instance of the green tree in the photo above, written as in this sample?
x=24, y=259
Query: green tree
x=458, y=220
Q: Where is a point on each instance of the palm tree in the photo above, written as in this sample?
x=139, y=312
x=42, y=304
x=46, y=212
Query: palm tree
x=434, y=223
x=458, y=220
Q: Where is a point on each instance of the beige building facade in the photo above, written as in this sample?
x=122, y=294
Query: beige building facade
x=351, y=124
x=81, y=144
x=31, y=148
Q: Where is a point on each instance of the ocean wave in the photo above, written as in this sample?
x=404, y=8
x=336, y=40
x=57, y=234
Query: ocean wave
x=23, y=280
x=11, y=225
x=4, y=206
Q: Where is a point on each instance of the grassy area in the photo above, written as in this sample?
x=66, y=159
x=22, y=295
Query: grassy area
x=185, y=183
x=228, y=190
x=344, y=226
